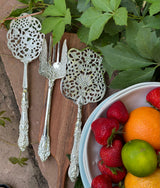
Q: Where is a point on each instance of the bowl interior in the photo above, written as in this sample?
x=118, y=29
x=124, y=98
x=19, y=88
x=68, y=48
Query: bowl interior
x=133, y=97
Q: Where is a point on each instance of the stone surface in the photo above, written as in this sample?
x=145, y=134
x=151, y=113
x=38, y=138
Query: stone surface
x=30, y=175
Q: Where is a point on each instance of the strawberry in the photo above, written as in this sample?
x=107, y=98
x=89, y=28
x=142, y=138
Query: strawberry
x=101, y=181
x=115, y=173
x=103, y=129
x=112, y=155
x=153, y=97
x=118, y=111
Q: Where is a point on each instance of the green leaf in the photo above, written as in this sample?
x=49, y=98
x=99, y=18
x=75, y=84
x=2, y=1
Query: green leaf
x=24, y=1
x=13, y=160
x=106, y=39
x=58, y=31
x=19, y=161
x=111, y=28
x=67, y=18
x=83, y=34
x=120, y=16
x=83, y=5
x=130, y=77
x=155, y=53
x=49, y=24
x=89, y=16
x=131, y=33
x=139, y=2
x=61, y=5
x=131, y=6
x=98, y=26
x=2, y=123
x=78, y=183
x=6, y=118
x=152, y=21
x=154, y=8
x=103, y=5
x=115, y=4
x=146, y=40
x=52, y=10
x=48, y=1
x=2, y=112
x=121, y=57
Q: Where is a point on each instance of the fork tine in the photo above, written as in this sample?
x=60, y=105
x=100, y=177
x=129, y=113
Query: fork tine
x=54, y=54
x=58, y=51
x=50, y=50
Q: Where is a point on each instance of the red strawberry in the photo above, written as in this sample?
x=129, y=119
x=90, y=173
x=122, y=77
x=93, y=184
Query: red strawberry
x=101, y=181
x=118, y=111
x=153, y=97
x=112, y=155
x=115, y=173
x=103, y=129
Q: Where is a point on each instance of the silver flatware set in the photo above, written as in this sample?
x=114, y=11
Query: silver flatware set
x=81, y=74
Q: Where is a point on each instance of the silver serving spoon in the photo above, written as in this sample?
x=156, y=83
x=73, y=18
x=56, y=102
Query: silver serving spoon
x=83, y=83
x=25, y=42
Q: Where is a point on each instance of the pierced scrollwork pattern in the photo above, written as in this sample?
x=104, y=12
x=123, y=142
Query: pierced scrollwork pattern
x=25, y=42
x=24, y=38
x=83, y=83
x=84, y=76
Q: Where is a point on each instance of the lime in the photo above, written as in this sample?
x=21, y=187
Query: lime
x=139, y=158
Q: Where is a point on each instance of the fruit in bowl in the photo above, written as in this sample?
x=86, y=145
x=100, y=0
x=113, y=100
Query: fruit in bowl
x=132, y=98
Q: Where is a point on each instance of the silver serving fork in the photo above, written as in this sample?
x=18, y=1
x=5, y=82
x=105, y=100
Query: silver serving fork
x=52, y=68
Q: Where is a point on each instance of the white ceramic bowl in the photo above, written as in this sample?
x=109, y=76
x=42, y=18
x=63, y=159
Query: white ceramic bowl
x=133, y=97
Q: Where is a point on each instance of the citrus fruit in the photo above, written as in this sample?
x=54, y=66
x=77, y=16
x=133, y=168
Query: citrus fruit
x=139, y=158
x=143, y=124
x=152, y=181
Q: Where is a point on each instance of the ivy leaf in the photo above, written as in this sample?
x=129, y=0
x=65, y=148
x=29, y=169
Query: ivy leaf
x=67, y=18
x=154, y=8
x=122, y=57
x=83, y=34
x=83, y=5
x=89, y=16
x=48, y=1
x=58, y=31
x=95, y=31
x=131, y=6
x=131, y=33
x=52, y=10
x=152, y=22
x=24, y=1
x=120, y=16
x=115, y=4
x=112, y=29
x=146, y=42
x=61, y=5
x=49, y=24
x=130, y=77
x=103, y=5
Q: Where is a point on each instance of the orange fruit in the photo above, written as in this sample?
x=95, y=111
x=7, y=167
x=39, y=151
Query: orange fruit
x=143, y=124
x=139, y=158
x=152, y=181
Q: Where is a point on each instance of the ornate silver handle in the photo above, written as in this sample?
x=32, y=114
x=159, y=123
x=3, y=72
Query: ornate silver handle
x=23, y=140
x=44, y=145
x=73, y=171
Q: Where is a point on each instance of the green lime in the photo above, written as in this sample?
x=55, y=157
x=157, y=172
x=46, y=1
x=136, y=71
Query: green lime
x=139, y=158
